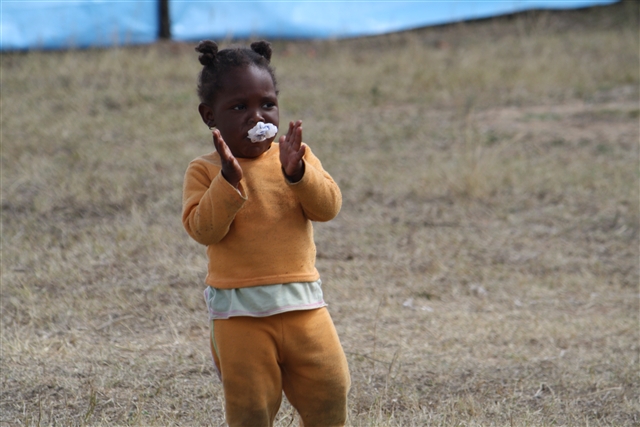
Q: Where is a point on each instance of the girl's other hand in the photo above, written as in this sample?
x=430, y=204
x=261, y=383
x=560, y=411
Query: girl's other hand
x=231, y=170
x=291, y=152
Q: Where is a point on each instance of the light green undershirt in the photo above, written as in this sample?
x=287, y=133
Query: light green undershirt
x=263, y=301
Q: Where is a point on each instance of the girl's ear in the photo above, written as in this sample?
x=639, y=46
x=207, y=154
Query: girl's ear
x=206, y=113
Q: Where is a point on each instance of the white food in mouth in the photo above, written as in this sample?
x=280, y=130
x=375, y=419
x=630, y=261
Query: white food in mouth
x=262, y=131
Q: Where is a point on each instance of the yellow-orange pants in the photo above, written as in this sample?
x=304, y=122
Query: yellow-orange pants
x=297, y=352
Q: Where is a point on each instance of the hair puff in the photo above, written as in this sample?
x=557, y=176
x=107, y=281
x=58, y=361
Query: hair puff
x=262, y=48
x=208, y=51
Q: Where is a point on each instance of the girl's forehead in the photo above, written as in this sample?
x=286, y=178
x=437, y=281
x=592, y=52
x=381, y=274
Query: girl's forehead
x=248, y=78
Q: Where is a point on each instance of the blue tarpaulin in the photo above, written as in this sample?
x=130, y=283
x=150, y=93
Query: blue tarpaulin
x=53, y=24
x=28, y=24
x=193, y=19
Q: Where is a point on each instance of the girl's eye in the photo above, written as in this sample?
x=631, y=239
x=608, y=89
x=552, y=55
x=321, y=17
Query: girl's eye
x=269, y=105
x=238, y=107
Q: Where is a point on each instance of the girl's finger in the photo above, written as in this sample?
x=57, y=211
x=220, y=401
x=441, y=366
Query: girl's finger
x=221, y=146
x=216, y=139
x=216, y=143
x=288, y=135
x=296, y=139
x=293, y=134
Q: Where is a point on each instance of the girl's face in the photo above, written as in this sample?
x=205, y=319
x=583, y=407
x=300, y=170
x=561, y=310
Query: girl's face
x=247, y=97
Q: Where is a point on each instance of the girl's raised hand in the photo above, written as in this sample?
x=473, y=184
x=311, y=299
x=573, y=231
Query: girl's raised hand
x=231, y=169
x=291, y=152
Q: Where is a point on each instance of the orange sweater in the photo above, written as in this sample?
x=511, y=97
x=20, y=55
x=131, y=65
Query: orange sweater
x=262, y=234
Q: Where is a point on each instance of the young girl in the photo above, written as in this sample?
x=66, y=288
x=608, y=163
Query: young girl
x=251, y=202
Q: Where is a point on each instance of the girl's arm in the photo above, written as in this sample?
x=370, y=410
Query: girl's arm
x=231, y=169
x=209, y=205
x=318, y=193
x=291, y=152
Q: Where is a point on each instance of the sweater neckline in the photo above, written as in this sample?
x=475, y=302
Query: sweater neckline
x=264, y=155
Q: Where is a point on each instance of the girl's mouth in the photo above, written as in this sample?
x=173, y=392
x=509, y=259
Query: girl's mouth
x=262, y=131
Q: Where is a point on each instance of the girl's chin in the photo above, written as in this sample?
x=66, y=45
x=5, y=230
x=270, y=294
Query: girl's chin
x=255, y=149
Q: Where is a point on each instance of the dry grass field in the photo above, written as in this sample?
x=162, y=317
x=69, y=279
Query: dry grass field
x=483, y=270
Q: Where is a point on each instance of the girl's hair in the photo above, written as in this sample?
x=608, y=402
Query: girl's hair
x=217, y=63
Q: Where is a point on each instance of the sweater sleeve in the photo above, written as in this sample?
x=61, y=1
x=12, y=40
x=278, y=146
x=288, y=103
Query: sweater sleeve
x=318, y=193
x=209, y=206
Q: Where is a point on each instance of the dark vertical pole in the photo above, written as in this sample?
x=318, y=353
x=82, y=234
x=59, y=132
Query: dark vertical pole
x=165, y=24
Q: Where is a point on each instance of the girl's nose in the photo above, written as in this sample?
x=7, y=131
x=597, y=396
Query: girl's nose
x=255, y=117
